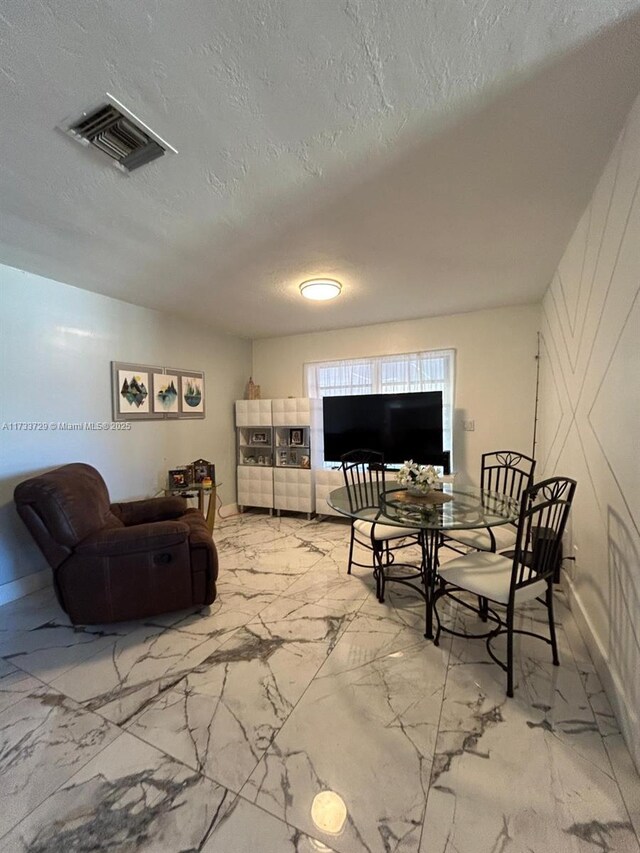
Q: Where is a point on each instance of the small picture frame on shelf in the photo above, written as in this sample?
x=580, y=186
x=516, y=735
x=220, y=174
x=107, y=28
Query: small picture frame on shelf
x=283, y=457
x=203, y=471
x=259, y=438
x=296, y=437
x=293, y=457
x=180, y=478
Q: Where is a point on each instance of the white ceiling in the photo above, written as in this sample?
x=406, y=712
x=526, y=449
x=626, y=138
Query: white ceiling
x=433, y=156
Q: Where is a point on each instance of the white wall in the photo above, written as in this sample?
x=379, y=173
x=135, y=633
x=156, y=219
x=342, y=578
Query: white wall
x=56, y=345
x=495, y=370
x=590, y=429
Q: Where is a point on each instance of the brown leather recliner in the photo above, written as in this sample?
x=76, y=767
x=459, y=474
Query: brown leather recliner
x=120, y=561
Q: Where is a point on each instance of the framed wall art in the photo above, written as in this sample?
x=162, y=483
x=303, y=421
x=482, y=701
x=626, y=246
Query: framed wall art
x=131, y=387
x=191, y=393
x=147, y=392
x=165, y=393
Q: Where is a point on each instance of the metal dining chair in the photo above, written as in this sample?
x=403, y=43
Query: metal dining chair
x=364, y=477
x=512, y=581
x=507, y=472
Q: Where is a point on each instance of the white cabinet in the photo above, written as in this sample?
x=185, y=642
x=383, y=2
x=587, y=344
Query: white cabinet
x=254, y=449
x=253, y=413
x=326, y=481
x=255, y=486
x=280, y=441
x=293, y=489
x=297, y=450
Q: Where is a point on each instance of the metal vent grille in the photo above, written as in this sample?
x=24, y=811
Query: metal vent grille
x=116, y=132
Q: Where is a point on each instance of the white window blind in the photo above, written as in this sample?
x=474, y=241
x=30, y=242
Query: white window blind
x=432, y=370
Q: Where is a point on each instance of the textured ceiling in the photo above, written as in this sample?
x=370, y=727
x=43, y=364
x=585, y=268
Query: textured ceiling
x=433, y=156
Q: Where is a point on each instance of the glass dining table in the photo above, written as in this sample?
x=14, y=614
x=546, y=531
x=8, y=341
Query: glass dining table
x=444, y=510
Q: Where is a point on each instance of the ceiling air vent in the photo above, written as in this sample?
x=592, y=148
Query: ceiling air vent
x=116, y=132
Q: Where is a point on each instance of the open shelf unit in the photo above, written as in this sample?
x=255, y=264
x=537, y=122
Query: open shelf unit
x=279, y=443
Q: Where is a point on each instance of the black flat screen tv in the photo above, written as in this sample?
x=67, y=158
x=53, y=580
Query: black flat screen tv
x=402, y=426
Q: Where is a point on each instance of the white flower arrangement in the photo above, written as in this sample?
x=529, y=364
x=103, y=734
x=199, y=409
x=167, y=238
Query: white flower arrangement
x=417, y=477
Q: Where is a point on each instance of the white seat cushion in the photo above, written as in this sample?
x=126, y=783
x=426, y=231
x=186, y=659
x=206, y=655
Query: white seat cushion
x=505, y=535
x=488, y=575
x=384, y=531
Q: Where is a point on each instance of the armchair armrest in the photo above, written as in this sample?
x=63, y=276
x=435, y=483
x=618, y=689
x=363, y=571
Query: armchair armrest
x=149, y=510
x=116, y=541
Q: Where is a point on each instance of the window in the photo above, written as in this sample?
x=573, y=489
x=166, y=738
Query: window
x=387, y=374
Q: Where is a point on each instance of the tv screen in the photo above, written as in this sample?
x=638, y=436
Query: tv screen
x=402, y=426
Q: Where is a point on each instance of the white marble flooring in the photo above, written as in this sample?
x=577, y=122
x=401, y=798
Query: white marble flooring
x=299, y=714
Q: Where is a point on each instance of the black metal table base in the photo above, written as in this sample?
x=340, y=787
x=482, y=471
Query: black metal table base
x=429, y=542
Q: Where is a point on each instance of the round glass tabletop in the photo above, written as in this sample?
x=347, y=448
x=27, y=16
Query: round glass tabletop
x=451, y=507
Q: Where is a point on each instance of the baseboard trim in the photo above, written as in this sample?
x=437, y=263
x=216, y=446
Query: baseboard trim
x=23, y=586
x=226, y=511
x=627, y=717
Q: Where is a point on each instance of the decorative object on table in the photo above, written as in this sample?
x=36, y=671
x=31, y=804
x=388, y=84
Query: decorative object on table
x=259, y=438
x=296, y=437
x=191, y=394
x=180, y=478
x=283, y=457
x=253, y=390
x=203, y=470
x=418, y=479
x=165, y=392
x=434, y=497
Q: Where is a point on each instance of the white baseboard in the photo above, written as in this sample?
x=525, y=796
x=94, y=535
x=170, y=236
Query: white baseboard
x=628, y=717
x=226, y=510
x=23, y=586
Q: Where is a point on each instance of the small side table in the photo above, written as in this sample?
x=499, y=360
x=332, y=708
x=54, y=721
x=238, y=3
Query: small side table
x=197, y=490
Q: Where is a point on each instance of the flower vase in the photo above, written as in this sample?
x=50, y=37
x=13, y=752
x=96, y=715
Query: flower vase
x=419, y=491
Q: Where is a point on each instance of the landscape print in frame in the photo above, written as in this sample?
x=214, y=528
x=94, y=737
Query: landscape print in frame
x=166, y=393
x=132, y=392
x=192, y=394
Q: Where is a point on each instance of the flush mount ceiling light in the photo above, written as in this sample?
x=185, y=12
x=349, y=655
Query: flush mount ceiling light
x=320, y=289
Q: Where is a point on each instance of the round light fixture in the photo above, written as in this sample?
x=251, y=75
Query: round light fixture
x=320, y=289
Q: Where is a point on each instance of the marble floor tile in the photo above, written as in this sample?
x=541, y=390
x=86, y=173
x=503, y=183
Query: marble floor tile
x=45, y=737
x=364, y=738
x=330, y=582
x=129, y=797
x=244, y=828
x=222, y=717
x=529, y=773
x=120, y=679
x=30, y=611
x=300, y=714
x=626, y=776
x=50, y=649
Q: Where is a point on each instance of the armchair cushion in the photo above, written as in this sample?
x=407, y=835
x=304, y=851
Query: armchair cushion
x=149, y=510
x=139, y=537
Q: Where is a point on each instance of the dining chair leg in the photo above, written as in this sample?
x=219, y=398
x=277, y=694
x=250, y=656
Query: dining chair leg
x=483, y=608
x=350, y=551
x=510, y=612
x=380, y=579
x=552, y=626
